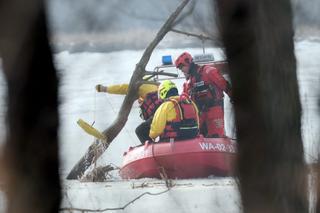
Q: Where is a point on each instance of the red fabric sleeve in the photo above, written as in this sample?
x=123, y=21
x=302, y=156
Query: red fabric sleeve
x=213, y=75
x=185, y=88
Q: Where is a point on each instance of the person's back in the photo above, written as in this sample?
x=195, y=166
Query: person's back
x=176, y=118
x=149, y=104
x=205, y=85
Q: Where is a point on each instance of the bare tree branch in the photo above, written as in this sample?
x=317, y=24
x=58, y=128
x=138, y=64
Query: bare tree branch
x=148, y=82
x=98, y=147
x=115, y=208
x=184, y=15
x=161, y=73
x=201, y=37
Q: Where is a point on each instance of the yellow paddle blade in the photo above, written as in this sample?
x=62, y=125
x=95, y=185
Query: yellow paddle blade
x=91, y=130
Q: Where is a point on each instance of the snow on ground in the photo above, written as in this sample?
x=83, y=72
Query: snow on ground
x=153, y=196
x=307, y=54
x=80, y=72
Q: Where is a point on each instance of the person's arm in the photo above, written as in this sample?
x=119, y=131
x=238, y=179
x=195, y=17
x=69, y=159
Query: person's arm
x=158, y=122
x=165, y=113
x=144, y=89
x=185, y=88
x=216, y=77
x=197, y=111
x=120, y=89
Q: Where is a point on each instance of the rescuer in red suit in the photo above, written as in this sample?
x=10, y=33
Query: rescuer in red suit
x=205, y=85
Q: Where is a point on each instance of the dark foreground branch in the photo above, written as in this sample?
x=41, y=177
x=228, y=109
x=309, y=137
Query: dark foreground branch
x=258, y=38
x=30, y=152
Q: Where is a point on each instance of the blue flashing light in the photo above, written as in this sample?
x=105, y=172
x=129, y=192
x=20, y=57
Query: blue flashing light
x=166, y=60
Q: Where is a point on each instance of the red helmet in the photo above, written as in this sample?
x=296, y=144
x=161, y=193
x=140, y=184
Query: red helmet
x=184, y=59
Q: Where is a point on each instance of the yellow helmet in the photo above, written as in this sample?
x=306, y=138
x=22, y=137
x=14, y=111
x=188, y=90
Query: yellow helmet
x=164, y=88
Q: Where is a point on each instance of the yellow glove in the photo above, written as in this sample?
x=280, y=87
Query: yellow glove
x=101, y=88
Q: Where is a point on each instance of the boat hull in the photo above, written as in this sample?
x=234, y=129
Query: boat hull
x=195, y=158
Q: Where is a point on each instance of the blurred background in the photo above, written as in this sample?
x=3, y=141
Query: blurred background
x=108, y=25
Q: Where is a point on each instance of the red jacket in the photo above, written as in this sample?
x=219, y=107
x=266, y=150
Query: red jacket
x=206, y=86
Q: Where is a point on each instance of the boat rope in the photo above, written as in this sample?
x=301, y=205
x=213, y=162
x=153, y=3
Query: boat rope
x=162, y=171
x=94, y=120
x=115, y=113
x=94, y=107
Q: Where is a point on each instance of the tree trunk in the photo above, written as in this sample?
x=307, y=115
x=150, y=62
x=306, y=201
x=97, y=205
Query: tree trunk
x=31, y=149
x=258, y=36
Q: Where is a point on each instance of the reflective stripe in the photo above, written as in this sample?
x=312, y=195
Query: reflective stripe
x=194, y=127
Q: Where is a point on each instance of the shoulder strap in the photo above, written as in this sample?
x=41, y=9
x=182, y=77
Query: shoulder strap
x=177, y=104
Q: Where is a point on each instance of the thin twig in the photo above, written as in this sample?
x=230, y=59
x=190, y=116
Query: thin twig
x=116, y=208
x=200, y=36
x=161, y=72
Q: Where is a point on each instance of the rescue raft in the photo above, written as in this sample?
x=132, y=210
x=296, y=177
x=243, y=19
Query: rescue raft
x=195, y=158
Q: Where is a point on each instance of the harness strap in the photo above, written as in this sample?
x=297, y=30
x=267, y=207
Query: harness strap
x=176, y=103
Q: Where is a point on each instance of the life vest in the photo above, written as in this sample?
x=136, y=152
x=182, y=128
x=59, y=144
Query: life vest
x=149, y=105
x=185, y=125
x=202, y=92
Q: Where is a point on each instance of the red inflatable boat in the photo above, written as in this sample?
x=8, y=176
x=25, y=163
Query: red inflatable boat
x=195, y=158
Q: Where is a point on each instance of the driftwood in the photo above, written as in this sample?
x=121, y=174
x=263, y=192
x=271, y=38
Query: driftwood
x=98, y=174
x=98, y=147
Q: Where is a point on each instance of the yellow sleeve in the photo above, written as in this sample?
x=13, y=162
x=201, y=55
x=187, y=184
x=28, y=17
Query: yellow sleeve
x=144, y=89
x=120, y=89
x=164, y=113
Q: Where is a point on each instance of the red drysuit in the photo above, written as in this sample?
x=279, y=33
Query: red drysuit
x=205, y=86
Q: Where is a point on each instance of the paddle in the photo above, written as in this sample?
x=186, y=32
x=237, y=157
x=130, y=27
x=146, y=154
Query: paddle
x=91, y=130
